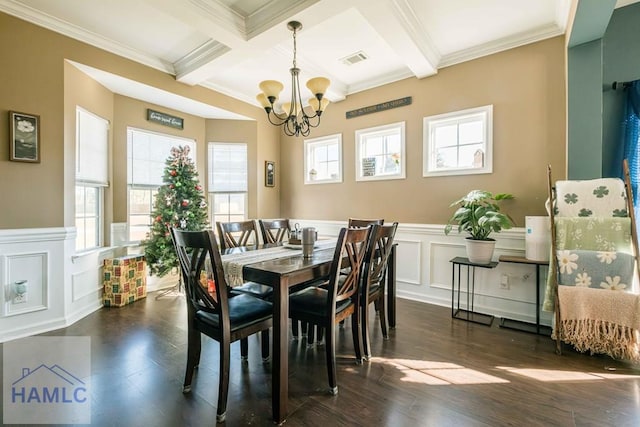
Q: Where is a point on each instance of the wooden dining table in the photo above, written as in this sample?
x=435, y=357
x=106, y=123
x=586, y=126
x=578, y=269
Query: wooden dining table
x=281, y=274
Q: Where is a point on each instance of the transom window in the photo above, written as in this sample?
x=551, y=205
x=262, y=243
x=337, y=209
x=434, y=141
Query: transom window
x=323, y=159
x=459, y=143
x=380, y=152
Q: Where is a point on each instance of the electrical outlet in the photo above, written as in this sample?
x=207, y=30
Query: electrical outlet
x=20, y=292
x=504, y=282
x=20, y=299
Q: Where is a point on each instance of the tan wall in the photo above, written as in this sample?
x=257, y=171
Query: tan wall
x=34, y=194
x=31, y=81
x=526, y=87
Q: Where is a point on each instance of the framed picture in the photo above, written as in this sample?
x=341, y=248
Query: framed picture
x=24, y=134
x=269, y=173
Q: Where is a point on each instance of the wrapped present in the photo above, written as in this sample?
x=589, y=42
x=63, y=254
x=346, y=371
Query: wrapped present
x=125, y=280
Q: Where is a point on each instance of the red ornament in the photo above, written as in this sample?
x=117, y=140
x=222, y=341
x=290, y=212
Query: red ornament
x=158, y=218
x=173, y=172
x=198, y=187
x=185, y=203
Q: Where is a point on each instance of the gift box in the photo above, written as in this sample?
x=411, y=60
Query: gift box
x=125, y=280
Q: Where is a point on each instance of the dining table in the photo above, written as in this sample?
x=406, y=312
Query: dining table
x=283, y=272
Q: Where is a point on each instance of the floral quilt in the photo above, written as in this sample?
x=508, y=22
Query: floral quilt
x=595, y=269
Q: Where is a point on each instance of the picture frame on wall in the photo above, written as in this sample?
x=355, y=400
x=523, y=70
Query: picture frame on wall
x=269, y=173
x=24, y=135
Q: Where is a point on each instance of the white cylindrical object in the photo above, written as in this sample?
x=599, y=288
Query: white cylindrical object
x=537, y=238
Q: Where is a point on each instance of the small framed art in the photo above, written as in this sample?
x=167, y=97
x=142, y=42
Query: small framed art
x=269, y=173
x=24, y=134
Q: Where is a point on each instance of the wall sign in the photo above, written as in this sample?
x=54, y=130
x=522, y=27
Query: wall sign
x=165, y=119
x=401, y=102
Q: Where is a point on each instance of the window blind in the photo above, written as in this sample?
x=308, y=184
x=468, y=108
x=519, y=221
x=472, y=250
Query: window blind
x=227, y=167
x=147, y=153
x=92, y=148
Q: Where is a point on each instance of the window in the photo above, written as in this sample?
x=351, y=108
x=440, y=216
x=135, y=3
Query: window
x=228, y=181
x=459, y=143
x=147, y=153
x=92, y=155
x=380, y=153
x=323, y=159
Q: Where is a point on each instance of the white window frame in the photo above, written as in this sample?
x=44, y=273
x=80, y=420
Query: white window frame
x=146, y=186
x=309, y=146
x=226, y=216
x=91, y=171
x=429, y=167
x=98, y=214
x=363, y=135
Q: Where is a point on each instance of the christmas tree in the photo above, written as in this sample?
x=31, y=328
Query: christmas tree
x=179, y=203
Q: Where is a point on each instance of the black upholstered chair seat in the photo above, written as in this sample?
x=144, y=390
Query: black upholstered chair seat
x=244, y=310
x=254, y=289
x=312, y=301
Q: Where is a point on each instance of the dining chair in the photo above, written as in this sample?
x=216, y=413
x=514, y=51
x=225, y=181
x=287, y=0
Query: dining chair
x=237, y=233
x=274, y=231
x=361, y=223
x=221, y=318
x=374, y=271
x=242, y=233
x=335, y=299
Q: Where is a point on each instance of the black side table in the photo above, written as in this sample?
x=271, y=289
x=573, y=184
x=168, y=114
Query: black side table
x=519, y=324
x=467, y=313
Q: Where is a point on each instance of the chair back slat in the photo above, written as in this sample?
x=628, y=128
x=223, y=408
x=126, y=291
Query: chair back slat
x=235, y=234
x=352, y=245
x=378, y=251
x=363, y=223
x=274, y=231
x=198, y=252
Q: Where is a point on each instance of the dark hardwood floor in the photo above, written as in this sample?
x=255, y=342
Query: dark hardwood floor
x=434, y=371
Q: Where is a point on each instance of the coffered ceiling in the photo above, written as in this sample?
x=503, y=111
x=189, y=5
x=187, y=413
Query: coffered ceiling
x=232, y=45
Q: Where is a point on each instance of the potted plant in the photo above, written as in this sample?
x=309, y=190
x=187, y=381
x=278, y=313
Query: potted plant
x=479, y=215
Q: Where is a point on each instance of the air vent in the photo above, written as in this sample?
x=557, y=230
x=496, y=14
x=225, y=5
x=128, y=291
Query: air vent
x=354, y=58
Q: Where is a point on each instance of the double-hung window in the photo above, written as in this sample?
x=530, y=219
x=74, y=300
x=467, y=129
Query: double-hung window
x=459, y=143
x=228, y=181
x=323, y=159
x=380, y=152
x=92, y=176
x=147, y=153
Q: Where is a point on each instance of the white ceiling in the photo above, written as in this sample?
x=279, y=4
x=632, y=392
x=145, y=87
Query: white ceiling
x=232, y=45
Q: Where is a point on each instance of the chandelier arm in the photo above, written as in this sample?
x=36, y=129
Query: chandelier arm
x=278, y=117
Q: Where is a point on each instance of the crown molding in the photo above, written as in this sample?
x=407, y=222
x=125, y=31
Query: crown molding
x=273, y=13
x=49, y=22
x=384, y=79
x=506, y=43
x=418, y=34
x=199, y=57
x=223, y=16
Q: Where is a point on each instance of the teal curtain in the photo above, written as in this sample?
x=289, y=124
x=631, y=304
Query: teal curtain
x=630, y=137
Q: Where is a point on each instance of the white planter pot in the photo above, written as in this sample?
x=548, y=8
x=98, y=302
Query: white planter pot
x=480, y=251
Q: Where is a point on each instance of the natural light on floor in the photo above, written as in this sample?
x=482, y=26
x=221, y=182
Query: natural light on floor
x=549, y=375
x=445, y=373
x=438, y=373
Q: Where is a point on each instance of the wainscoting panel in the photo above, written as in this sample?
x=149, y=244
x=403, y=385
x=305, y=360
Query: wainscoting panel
x=409, y=261
x=30, y=269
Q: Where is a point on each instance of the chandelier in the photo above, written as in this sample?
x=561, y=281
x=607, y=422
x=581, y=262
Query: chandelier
x=295, y=119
